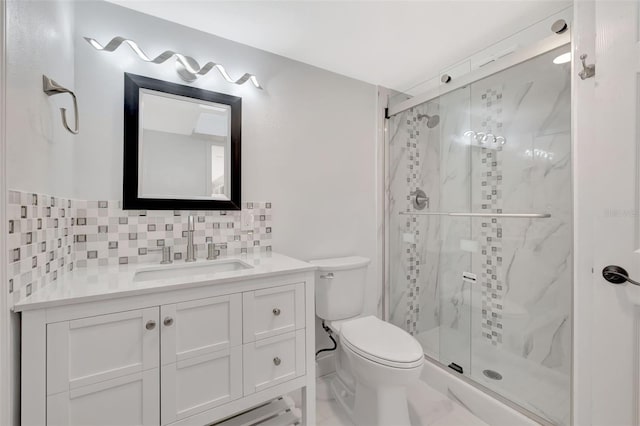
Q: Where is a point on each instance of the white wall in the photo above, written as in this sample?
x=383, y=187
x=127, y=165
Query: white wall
x=585, y=181
x=7, y=345
x=38, y=39
x=308, y=139
x=39, y=149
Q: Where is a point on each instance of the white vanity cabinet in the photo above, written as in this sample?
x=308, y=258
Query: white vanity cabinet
x=97, y=363
x=201, y=355
x=185, y=356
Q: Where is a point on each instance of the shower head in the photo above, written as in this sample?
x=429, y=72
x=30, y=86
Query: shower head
x=432, y=120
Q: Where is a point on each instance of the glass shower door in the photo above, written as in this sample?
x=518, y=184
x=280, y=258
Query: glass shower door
x=520, y=340
x=453, y=264
x=414, y=147
x=487, y=294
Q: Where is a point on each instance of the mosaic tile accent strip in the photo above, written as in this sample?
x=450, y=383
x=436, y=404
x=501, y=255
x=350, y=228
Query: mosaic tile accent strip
x=412, y=257
x=49, y=236
x=491, y=277
x=106, y=234
x=39, y=241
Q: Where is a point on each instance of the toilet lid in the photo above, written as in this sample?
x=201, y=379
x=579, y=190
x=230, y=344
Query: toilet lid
x=381, y=342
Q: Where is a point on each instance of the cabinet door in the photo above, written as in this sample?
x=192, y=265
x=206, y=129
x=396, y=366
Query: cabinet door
x=129, y=400
x=200, y=327
x=273, y=311
x=200, y=383
x=201, y=355
x=275, y=360
x=91, y=350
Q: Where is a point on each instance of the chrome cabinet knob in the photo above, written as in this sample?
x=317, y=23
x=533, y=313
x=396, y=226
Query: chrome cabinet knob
x=151, y=324
x=276, y=311
x=277, y=361
x=168, y=321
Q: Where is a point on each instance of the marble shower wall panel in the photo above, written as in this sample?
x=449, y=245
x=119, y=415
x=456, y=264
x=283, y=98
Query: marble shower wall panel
x=397, y=193
x=533, y=305
x=427, y=228
x=414, y=240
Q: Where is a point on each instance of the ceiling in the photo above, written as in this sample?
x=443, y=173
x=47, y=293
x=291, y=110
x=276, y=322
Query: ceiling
x=396, y=44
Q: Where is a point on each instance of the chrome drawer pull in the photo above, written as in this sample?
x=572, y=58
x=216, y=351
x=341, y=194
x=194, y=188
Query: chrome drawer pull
x=276, y=311
x=277, y=361
x=168, y=321
x=151, y=324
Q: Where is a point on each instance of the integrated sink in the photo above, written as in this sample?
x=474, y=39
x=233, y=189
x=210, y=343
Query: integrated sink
x=190, y=269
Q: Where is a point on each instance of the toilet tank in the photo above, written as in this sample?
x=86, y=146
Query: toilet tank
x=340, y=287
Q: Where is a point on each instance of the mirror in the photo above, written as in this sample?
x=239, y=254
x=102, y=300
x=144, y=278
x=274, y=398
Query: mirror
x=182, y=147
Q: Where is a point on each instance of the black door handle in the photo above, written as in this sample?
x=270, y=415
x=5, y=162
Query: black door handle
x=617, y=275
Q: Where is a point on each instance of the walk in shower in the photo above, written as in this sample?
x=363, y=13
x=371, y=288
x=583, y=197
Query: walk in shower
x=479, y=241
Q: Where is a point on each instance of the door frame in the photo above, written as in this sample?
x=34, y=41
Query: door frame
x=9, y=388
x=583, y=130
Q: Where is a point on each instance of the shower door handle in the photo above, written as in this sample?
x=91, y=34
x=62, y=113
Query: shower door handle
x=617, y=275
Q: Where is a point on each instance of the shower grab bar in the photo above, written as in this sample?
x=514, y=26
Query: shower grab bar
x=497, y=215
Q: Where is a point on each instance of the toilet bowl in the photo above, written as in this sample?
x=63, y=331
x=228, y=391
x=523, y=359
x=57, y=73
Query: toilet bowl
x=384, y=360
x=376, y=360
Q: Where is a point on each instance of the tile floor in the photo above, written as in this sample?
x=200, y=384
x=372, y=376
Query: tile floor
x=427, y=407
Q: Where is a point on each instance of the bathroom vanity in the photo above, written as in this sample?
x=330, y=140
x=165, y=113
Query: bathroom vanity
x=168, y=344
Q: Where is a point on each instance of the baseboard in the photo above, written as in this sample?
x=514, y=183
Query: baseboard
x=325, y=364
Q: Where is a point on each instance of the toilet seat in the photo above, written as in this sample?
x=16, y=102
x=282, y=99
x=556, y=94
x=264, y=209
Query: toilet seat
x=381, y=342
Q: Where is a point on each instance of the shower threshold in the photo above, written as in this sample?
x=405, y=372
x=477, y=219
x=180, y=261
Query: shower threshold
x=541, y=392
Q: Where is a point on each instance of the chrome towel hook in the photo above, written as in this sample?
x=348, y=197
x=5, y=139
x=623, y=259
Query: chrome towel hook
x=50, y=87
x=588, y=71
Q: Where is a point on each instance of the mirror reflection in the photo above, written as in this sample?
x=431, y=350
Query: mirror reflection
x=187, y=156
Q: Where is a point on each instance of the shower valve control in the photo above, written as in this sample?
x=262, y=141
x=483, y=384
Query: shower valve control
x=420, y=199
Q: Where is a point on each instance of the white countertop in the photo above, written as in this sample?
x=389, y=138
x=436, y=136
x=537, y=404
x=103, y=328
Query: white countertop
x=112, y=281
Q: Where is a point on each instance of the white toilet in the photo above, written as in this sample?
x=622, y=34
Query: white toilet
x=375, y=360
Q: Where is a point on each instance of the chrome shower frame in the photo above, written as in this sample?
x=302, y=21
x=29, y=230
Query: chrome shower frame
x=540, y=48
x=525, y=54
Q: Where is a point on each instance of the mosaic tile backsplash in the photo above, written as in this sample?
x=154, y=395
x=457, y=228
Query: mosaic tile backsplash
x=50, y=236
x=40, y=241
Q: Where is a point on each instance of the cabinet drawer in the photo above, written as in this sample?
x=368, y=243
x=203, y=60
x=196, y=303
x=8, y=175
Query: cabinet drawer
x=271, y=361
x=90, y=350
x=273, y=311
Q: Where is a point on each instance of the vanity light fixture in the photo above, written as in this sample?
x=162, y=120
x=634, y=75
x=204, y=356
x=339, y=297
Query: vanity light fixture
x=187, y=67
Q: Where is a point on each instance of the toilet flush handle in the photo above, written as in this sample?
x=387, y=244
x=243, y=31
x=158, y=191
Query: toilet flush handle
x=328, y=276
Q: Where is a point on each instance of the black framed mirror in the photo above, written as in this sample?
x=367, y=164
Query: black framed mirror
x=181, y=147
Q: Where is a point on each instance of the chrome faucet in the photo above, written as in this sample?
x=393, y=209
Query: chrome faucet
x=191, y=252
